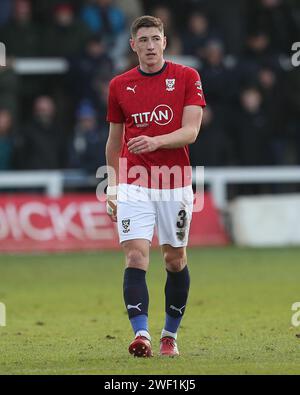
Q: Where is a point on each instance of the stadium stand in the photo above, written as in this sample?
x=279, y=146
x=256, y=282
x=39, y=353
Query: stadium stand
x=61, y=56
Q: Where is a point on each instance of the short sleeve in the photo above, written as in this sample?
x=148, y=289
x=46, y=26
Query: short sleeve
x=114, y=110
x=193, y=88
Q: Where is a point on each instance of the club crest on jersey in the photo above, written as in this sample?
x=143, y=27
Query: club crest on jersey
x=170, y=84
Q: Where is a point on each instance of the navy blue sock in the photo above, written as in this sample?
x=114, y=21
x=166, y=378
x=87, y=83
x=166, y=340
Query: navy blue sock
x=136, y=298
x=176, y=292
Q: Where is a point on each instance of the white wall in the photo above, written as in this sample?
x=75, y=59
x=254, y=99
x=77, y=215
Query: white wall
x=266, y=220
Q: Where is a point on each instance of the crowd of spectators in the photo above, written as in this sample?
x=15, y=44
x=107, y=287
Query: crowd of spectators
x=243, y=52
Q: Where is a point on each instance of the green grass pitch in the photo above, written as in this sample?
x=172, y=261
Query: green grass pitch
x=65, y=314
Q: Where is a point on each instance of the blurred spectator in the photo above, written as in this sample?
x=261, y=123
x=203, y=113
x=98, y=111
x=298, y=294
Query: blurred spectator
x=42, y=9
x=219, y=80
x=5, y=11
x=66, y=36
x=9, y=87
x=276, y=18
x=257, y=52
x=6, y=139
x=93, y=62
x=43, y=139
x=131, y=61
x=250, y=130
x=87, y=149
x=212, y=147
x=197, y=34
x=292, y=87
x=21, y=35
x=99, y=98
x=292, y=109
x=229, y=19
x=131, y=8
x=104, y=18
x=174, y=44
x=273, y=96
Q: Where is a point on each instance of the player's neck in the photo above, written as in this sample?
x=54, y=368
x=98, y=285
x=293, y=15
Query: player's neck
x=153, y=68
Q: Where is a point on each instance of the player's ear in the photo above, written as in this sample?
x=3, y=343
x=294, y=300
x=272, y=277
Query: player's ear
x=164, y=42
x=132, y=44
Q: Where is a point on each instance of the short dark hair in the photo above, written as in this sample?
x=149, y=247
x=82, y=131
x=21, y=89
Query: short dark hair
x=146, y=21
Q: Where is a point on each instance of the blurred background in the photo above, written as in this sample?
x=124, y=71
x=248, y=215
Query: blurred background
x=64, y=310
x=61, y=56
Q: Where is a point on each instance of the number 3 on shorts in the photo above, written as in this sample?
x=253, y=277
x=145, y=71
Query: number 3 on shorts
x=181, y=223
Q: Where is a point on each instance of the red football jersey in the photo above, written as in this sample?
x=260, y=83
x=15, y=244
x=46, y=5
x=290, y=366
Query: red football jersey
x=152, y=105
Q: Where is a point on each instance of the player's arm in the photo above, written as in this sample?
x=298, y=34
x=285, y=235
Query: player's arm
x=113, y=150
x=187, y=134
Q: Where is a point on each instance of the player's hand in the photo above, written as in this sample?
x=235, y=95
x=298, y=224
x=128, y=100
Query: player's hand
x=142, y=144
x=111, y=202
x=111, y=207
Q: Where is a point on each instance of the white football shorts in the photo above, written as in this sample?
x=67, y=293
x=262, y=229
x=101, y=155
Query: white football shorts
x=141, y=209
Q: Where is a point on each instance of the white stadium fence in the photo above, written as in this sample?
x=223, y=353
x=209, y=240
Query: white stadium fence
x=216, y=179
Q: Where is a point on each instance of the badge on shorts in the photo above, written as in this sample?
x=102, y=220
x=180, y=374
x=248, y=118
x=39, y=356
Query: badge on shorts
x=170, y=84
x=126, y=225
x=180, y=235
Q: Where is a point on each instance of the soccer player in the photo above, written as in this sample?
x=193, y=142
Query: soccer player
x=155, y=112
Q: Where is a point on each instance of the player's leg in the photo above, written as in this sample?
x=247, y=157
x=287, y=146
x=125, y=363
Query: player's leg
x=135, y=289
x=176, y=295
x=173, y=219
x=136, y=295
x=136, y=219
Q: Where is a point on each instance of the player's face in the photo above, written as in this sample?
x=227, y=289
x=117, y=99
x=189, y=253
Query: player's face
x=149, y=44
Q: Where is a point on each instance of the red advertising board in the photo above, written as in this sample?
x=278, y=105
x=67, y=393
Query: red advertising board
x=79, y=222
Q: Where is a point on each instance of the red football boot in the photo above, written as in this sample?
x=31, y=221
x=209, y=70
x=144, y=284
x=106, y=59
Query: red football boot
x=168, y=347
x=141, y=347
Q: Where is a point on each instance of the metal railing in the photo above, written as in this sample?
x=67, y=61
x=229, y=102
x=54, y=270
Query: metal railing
x=52, y=181
x=217, y=179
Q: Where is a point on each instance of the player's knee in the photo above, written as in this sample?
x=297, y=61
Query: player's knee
x=175, y=260
x=136, y=259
